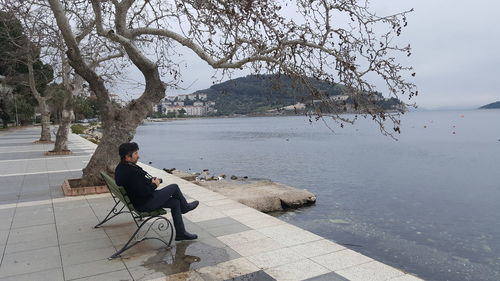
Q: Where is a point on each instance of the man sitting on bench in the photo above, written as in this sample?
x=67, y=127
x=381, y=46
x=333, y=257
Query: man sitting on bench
x=140, y=187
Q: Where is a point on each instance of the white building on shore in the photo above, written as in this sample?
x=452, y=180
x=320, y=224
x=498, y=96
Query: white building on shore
x=195, y=104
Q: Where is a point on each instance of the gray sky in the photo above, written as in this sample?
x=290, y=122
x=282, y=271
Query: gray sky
x=455, y=45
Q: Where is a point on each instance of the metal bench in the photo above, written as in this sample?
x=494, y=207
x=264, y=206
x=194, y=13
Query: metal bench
x=142, y=220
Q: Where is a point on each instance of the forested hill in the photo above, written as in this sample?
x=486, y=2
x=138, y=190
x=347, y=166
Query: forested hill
x=254, y=93
x=491, y=105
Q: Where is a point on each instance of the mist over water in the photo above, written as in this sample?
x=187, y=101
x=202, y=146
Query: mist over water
x=428, y=203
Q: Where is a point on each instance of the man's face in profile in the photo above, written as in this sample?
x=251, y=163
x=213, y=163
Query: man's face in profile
x=134, y=158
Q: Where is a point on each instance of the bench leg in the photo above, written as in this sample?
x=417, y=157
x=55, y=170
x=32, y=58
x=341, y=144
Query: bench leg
x=163, y=225
x=113, y=213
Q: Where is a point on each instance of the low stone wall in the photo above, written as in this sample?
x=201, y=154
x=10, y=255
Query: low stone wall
x=76, y=191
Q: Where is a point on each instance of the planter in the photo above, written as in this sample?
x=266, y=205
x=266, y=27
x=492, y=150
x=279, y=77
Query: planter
x=42, y=142
x=76, y=191
x=64, y=152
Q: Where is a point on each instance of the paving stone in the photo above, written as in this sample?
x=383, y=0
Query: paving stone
x=203, y=214
x=406, y=277
x=242, y=237
x=55, y=274
x=32, y=237
x=183, y=276
x=296, y=271
x=115, y=275
x=220, y=202
x=374, y=271
x=30, y=261
x=92, y=268
x=317, y=248
x=257, y=276
x=242, y=211
x=341, y=259
x=257, y=246
x=72, y=257
x=3, y=236
x=228, y=229
x=275, y=258
x=289, y=235
x=332, y=276
x=149, y=272
x=217, y=222
x=33, y=220
x=260, y=222
x=81, y=236
x=228, y=270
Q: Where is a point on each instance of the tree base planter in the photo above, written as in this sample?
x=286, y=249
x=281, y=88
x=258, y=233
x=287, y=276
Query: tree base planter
x=64, y=152
x=78, y=190
x=42, y=142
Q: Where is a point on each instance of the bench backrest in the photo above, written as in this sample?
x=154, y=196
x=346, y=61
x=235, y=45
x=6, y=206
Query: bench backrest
x=118, y=191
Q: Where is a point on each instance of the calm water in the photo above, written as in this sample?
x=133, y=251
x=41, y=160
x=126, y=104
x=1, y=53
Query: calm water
x=428, y=203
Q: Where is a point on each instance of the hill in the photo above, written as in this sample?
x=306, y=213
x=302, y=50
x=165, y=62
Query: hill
x=491, y=105
x=260, y=93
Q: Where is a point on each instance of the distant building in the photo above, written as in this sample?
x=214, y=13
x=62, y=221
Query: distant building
x=339, y=98
x=172, y=104
x=195, y=110
x=118, y=100
x=297, y=106
x=192, y=96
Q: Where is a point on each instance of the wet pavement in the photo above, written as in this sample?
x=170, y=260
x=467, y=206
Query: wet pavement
x=46, y=236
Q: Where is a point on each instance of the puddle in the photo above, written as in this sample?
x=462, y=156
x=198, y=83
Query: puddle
x=187, y=256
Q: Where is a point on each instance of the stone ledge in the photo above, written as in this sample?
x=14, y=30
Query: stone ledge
x=77, y=191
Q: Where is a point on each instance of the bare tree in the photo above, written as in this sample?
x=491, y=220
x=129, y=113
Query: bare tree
x=43, y=34
x=334, y=41
x=27, y=53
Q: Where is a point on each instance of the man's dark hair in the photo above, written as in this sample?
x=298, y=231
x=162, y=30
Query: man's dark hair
x=127, y=148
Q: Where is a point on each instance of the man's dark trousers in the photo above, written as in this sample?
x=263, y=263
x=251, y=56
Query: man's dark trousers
x=169, y=197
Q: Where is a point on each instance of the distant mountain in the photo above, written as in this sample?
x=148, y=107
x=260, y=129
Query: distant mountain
x=491, y=105
x=260, y=93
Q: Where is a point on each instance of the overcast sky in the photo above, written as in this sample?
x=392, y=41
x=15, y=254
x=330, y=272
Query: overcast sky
x=455, y=45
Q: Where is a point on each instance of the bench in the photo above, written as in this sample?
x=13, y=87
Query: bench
x=142, y=220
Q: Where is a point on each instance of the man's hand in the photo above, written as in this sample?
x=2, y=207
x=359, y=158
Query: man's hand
x=156, y=181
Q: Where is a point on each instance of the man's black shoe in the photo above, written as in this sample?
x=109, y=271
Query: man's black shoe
x=192, y=206
x=185, y=236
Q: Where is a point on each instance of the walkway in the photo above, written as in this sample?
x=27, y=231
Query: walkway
x=46, y=236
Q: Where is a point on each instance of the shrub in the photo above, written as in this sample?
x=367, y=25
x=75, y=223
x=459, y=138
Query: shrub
x=78, y=129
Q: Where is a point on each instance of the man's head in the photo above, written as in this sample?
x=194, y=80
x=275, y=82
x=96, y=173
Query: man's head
x=129, y=152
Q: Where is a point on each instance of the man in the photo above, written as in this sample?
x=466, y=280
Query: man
x=141, y=188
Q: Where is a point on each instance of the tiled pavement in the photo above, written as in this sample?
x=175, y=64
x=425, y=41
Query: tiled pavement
x=46, y=236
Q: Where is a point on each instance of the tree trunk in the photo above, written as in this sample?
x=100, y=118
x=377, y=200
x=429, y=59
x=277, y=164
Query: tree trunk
x=63, y=130
x=119, y=126
x=45, y=135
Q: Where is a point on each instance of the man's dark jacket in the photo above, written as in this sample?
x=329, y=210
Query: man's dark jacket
x=135, y=181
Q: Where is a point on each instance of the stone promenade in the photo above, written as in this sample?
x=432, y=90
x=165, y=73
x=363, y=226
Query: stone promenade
x=46, y=236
